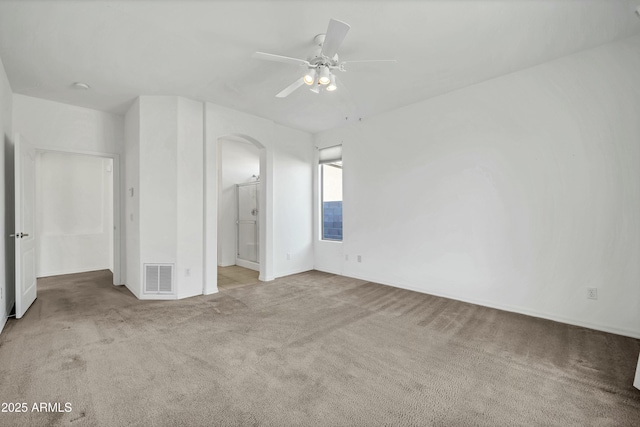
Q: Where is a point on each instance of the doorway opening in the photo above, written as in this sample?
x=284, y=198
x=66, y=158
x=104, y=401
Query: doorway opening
x=75, y=215
x=248, y=225
x=238, y=212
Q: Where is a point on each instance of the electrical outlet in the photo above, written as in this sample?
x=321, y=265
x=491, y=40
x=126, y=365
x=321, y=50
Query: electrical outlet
x=187, y=272
x=288, y=257
x=592, y=293
x=359, y=258
x=346, y=257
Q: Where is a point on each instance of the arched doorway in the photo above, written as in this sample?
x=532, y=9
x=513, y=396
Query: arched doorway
x=238, y=212
x=212, y=208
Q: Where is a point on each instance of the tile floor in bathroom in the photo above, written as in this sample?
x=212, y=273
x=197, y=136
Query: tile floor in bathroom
x=235, y=276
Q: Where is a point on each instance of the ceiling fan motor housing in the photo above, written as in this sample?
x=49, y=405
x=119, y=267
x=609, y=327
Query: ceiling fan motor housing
x=316, y=59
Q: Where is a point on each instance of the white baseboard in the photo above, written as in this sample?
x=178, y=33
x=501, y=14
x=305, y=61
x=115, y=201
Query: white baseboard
x=512, y=309
x=196, y=294
x=3, y=321
x=159, y=297
x=248, y=264
x=331, y=271
x=135, y=294
x=289, y=273
x=70, y=271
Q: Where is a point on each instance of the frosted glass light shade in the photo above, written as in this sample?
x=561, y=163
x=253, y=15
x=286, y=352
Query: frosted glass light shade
x=310, y=76
x=332, y=85
x=325, y=76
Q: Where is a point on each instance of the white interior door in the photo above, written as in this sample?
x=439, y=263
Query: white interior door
x=24, y=162
x=636, y=382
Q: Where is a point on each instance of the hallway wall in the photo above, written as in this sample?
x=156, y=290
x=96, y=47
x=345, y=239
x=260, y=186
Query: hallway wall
x=74, y=213
x=50, y=125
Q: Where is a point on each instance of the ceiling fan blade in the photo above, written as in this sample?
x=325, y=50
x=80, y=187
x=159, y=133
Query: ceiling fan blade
x=336, y=33
x=370, y=60
x=293, y=86
x=342, y=67
x=279, y=58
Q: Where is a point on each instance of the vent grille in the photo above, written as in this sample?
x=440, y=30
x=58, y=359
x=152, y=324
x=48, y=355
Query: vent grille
x=158, y=279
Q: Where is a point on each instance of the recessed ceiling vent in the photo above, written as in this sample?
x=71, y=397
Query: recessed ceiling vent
x=158, y=279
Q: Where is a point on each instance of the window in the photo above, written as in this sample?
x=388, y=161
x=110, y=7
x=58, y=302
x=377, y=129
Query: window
x=331, y=192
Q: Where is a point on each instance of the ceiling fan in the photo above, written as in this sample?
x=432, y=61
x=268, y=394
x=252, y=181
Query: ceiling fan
x=322, y=62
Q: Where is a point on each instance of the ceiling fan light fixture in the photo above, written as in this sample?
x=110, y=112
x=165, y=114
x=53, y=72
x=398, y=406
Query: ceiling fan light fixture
x=319, y=67
x=325, y=78
x=332, y=85
x=310, y=76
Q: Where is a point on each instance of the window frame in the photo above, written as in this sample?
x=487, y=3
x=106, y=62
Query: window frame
x=337, y=163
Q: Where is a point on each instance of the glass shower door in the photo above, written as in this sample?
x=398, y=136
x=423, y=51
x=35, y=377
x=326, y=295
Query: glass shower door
x=248, y=221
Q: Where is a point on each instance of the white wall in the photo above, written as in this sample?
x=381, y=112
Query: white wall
x=55, y=126
x=190, y=200
x=7, y=248
x=239, y=161
x=517, y=193
x=165, y=212
x=74, y=216
x=131, y=197
x=293, y=204
x=158, y=191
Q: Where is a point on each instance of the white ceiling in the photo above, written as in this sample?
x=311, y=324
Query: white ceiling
x=202, y=49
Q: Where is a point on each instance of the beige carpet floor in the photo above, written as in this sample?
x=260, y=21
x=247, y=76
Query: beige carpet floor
x=312, y=349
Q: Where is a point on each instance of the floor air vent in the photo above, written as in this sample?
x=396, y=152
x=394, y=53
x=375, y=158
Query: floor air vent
x=158, y=279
